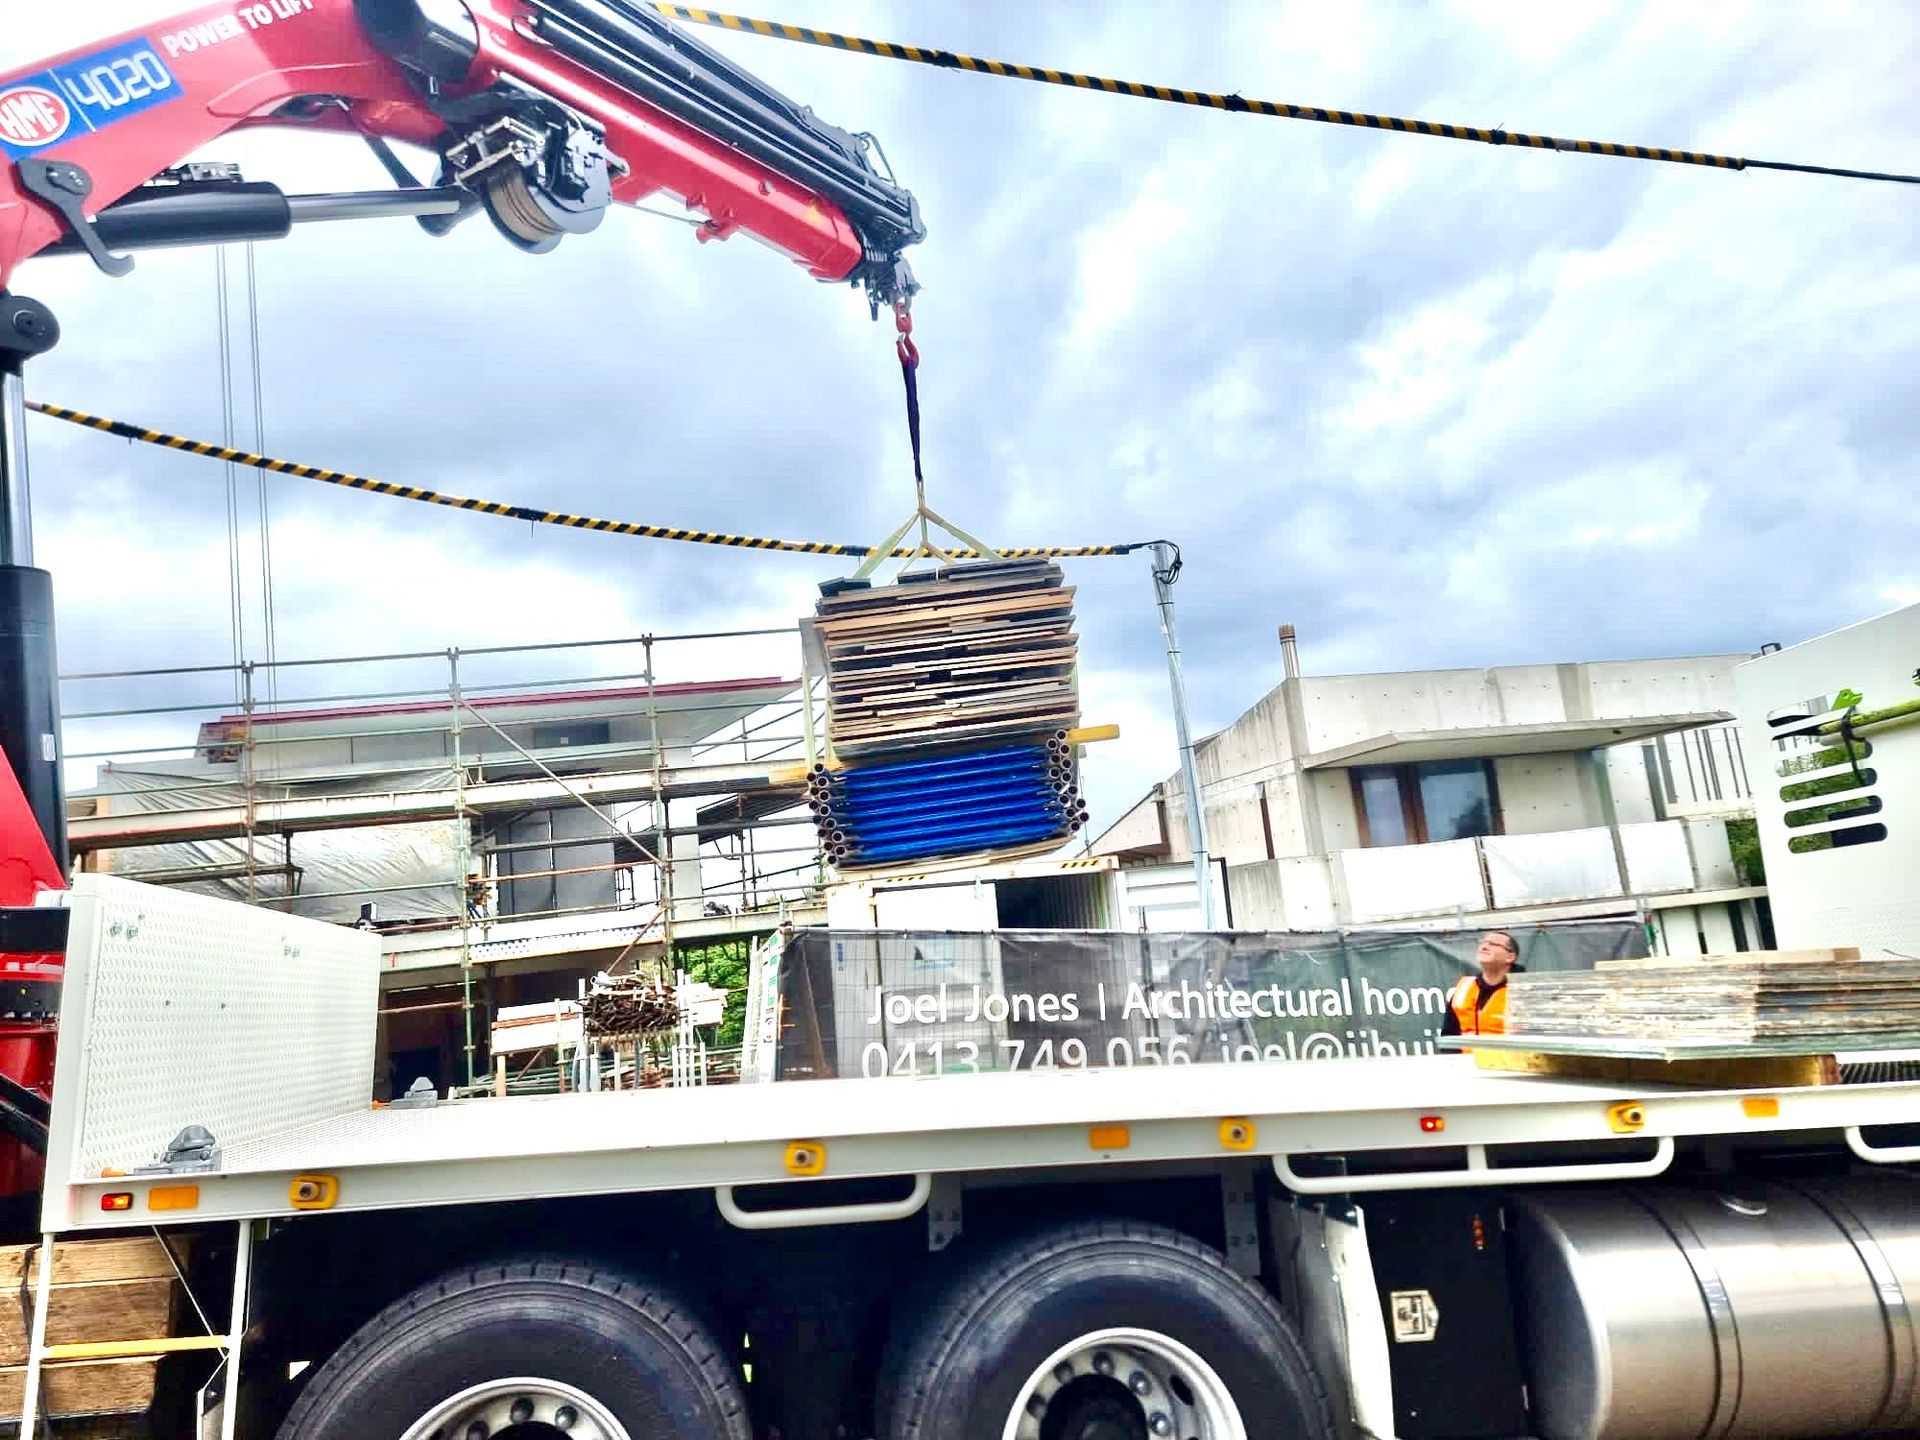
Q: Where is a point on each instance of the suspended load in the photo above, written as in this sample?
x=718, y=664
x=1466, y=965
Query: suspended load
x=950, y=695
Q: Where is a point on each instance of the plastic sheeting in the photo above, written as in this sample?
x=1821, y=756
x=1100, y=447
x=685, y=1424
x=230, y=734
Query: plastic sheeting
x=871, y=1003
x=1560, y=865
x=1658, y=857
x=386, y=864
x=1391, y=881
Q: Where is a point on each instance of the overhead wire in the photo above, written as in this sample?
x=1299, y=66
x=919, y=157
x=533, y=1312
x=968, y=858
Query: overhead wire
x=1238, y=104
x=229, y=455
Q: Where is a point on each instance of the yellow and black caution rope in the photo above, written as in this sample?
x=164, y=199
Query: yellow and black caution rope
x=1278, y=109
x=532, y=513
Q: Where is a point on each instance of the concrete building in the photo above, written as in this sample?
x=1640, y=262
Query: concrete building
x=1514, y=794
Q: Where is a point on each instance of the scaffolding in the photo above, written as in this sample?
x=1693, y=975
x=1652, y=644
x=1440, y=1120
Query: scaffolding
x=492, y=810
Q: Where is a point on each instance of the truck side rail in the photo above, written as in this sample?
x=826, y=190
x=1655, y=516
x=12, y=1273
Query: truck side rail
x=1880, y=1154
x=806, y=1217
x=1476, y=1172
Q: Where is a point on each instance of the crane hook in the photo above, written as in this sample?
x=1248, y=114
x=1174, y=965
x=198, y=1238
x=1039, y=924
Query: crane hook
x=909, y=354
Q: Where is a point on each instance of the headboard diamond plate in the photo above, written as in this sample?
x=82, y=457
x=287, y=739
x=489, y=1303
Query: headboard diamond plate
x=180, y=1010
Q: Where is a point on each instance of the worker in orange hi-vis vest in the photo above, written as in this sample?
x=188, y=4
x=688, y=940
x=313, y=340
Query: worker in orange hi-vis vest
x=1477, y=1004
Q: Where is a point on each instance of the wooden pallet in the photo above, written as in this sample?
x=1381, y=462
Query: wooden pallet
x=1052, y=659
x=902, y=739
x=1751, y=1072
x=107, y=1289
x=1832, y=955
x=73, y=1391
x=986, y=635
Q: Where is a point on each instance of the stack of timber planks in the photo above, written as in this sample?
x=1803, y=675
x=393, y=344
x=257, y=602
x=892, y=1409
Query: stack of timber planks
x=964, y=657
x=103, y=1290
x=1724, y=1000
x=950, y=696
x=1765, y=1019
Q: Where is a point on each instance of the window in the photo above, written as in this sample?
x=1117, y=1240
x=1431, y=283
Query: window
x=1429, y=801
x=552, y=735
x=1456, y=798
x=1383, y=814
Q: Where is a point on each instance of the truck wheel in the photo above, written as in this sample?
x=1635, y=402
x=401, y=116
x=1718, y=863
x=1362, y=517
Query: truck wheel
x=1106, y=1331
x=534, y=1350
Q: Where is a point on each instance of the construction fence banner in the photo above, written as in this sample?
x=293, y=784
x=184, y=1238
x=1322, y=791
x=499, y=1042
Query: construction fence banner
x=871, y=1003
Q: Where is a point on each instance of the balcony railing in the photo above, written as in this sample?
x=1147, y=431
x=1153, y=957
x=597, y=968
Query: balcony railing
x=1700, y=772
x=1503, y=872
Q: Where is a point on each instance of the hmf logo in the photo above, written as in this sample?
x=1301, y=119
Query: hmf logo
x=31, y=115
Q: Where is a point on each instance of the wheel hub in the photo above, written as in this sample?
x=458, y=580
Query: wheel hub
x=1099, y=1413
x=1125, y=1384
x=518, y=1409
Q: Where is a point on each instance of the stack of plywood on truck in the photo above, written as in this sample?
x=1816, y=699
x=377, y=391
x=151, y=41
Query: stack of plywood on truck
x=1764, y=1019
x=1824, y=956
x=1725, y=1000
x=963, y=657
x=103, y=1290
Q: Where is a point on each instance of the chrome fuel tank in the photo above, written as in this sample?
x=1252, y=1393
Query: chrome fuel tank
x=1748, y=1309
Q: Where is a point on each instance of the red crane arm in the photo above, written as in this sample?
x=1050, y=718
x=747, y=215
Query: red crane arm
x=517, y=96
x=27, y=866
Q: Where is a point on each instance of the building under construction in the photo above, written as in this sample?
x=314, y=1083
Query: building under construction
x=512, y=820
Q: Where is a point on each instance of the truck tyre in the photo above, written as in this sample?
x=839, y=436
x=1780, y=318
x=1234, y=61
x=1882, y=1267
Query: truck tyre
x=535, y=1348
x=1112, y=1330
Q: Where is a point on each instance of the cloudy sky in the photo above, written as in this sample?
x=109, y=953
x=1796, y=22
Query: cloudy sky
x=1434, y=403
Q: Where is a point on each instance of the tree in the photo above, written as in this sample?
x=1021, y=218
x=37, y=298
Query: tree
x=723, y=964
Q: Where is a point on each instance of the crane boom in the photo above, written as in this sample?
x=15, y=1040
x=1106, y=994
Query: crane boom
x=541, y=112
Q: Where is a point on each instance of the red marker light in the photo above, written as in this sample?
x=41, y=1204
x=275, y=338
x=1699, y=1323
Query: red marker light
x=118, y=1200
x=1433, y=1124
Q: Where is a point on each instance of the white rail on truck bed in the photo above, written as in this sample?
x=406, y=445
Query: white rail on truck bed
x=181, y=1011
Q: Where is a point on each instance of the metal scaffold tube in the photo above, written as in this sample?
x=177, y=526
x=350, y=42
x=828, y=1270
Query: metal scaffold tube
x=463, y=833
x=1166, y=569
x=229, y=784
x=661, y=812
x=249, y=780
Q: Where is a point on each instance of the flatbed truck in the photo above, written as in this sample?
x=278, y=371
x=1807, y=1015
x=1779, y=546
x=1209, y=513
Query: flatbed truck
x=1402, y=1247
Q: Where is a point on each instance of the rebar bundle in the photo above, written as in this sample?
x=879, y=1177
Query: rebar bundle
x=630, y=1009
